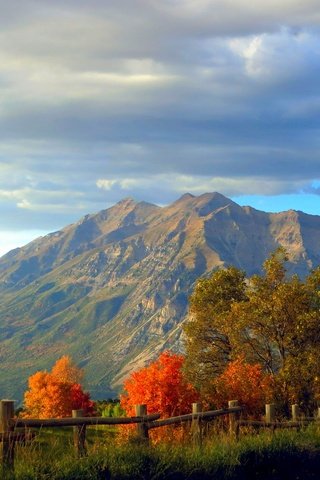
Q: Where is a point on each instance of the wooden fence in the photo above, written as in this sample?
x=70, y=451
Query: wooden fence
x=10, y=433
x=297, y=421
x=17, y=430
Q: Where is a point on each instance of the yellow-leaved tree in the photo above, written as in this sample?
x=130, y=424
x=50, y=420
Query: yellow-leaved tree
x=272, y=320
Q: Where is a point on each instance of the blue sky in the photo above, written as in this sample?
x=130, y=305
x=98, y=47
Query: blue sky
x=102, y=100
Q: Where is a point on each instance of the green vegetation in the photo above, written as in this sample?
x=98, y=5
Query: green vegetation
x=283, y=454
x=208, y=346
x=272, y=320
x=115, y=284
x=109, y=408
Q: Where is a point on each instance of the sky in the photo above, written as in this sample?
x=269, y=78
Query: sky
x=104, y=99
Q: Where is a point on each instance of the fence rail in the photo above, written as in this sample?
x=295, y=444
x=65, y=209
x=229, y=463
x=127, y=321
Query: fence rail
x=193, y=416
x=76, y=421
x=9, y=435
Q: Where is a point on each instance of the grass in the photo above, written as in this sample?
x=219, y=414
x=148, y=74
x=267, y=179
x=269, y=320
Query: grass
x=264, y=456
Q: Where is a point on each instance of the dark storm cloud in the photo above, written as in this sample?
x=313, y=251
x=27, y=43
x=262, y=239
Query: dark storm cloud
x=103, y=99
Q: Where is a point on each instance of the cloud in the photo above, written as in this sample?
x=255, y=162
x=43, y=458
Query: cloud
x=154, y=188
x=103, y=99
x=24, y=204
x=105, y=183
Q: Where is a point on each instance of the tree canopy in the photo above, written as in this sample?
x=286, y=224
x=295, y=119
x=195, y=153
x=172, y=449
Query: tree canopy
x=271, y=319
x=208, y=345
x=161, y=385
x=55, y=394
x=247, y=383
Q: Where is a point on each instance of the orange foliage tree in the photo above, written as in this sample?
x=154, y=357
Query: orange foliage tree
x=55, y=394
x=66, y=371
x=161, y=386
x=243, y=382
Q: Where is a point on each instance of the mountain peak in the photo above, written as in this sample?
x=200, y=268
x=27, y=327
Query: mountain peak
x=115, y=285
x=209, y=196
x=184, y=199
x=127, y=201
x=210, y=202
x=186, y=196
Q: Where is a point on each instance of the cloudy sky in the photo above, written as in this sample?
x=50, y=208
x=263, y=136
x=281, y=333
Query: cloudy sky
x=104, y=99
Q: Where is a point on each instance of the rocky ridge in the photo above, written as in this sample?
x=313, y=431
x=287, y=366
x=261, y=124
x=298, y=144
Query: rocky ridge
x=112, y=289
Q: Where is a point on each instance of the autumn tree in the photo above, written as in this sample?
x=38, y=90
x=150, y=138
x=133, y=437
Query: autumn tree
x=279, y=326
x=66, y=371
x=55, y=394
x=276, y=323
x=247, y=383
x=162, y=386
x=208, y=347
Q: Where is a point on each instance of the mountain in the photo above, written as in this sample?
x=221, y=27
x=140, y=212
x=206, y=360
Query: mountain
x=112, y=289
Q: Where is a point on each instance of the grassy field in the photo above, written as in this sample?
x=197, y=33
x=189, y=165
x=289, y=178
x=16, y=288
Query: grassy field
x=282, y=455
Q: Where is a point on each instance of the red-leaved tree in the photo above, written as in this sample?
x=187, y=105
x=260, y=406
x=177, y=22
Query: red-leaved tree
x=161, y=386
x=243, y=382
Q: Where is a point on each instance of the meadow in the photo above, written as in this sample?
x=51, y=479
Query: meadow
x=267, y=455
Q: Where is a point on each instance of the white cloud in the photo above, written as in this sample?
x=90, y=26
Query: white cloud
x=127, y=183
x=37, y=200
x=105, y=183
x=123, y=184
x=103, y=99
x=24, y=204
x=278, y=57
x=197, y=184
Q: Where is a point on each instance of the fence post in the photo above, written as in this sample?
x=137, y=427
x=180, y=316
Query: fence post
x=295, y=412
x=7, y=453
x=79, y=434
x=270, y=412
x=233, y=419
x=142, y=428
x=196, y=425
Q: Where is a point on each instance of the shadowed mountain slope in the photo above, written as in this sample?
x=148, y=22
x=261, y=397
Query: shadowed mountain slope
x=112, y=289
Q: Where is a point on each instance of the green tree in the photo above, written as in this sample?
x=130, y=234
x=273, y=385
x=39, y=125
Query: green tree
x=276, y=323
x=208, y=347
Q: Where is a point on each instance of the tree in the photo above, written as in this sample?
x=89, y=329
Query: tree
x=55, y=394
x=247, y=383
x=80, y=400
x=161, y=386
x=66, y=371
x=208, y=347
x=279, y=326
x=276, y=323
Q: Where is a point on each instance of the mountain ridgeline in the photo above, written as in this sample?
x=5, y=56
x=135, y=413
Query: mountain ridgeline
x=112, y=289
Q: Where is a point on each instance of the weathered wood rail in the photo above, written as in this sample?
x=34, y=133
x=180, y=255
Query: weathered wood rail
x=76, y=421
x=297, y=421
x=9, y=435
x=193, y=416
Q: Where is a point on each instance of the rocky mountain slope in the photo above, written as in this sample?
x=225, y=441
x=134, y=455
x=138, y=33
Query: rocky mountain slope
x=112, y=289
